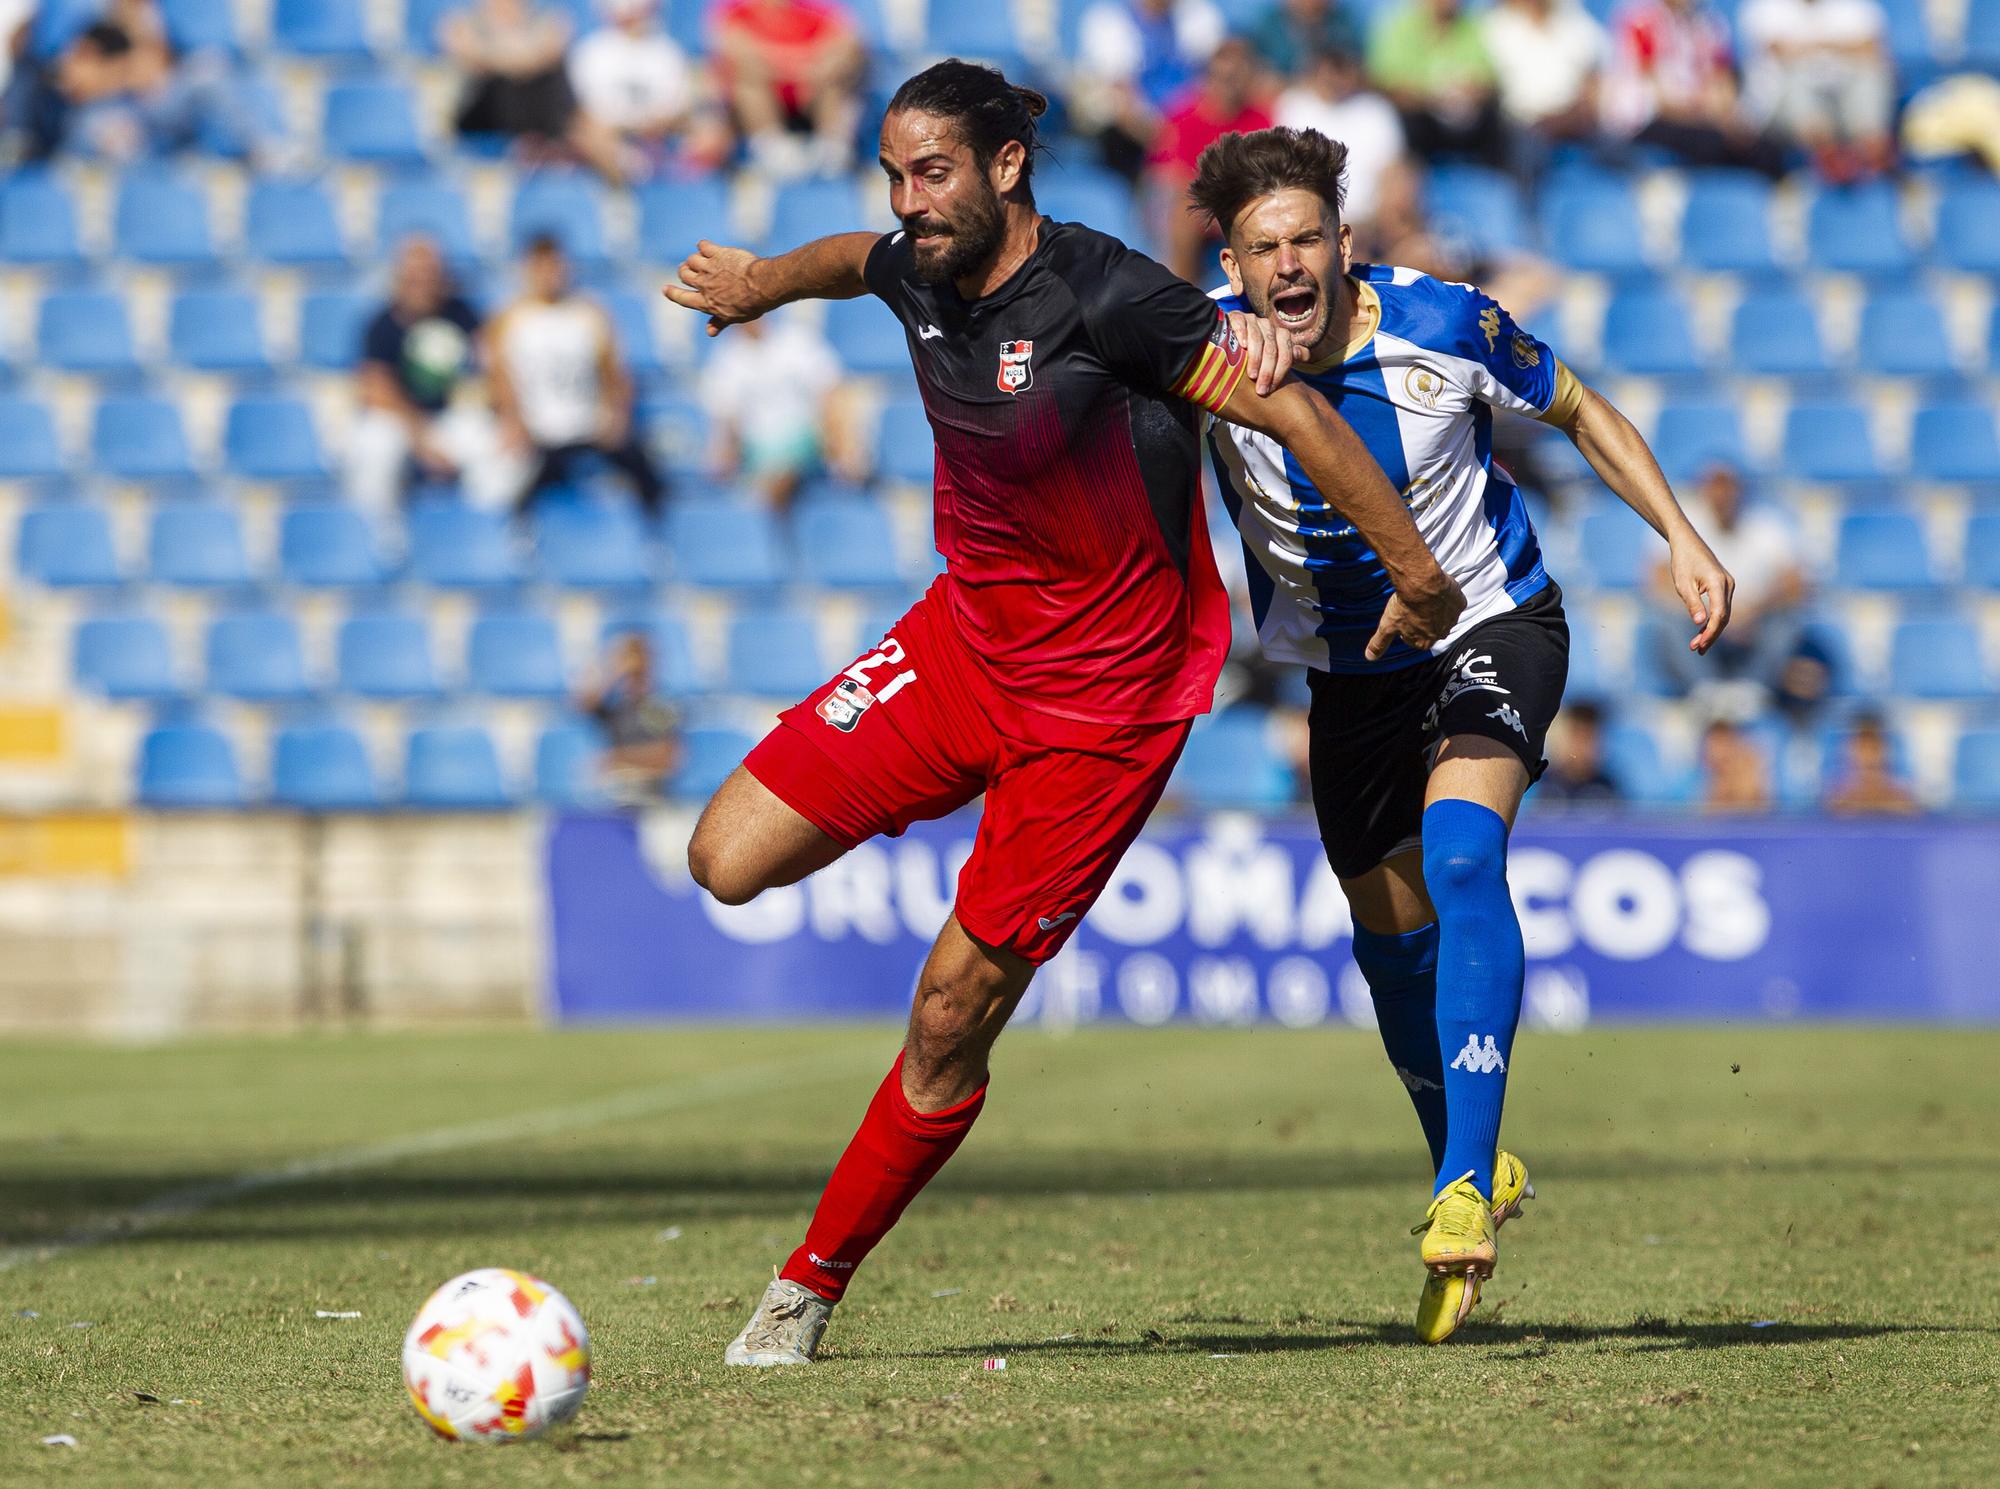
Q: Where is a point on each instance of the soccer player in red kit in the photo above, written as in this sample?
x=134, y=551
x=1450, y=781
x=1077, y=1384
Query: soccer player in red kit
x=1080, y=625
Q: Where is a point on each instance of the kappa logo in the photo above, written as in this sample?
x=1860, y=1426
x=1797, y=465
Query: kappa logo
x=1048, y=925
x=1479, y=1059
x=845, y=705
x=1016, y=375
x=1489, y=322
x=1509, y=715
x=1414, y=1083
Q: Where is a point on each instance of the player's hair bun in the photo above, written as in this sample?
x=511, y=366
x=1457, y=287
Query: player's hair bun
x=1037, y=104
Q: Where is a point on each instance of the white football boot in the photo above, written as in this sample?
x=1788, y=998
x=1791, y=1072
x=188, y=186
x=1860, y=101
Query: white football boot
x=784, y=1330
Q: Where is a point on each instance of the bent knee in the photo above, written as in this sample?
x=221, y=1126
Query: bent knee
x=1465, y=850
x=727, y=875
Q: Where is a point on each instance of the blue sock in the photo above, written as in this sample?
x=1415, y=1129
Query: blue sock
x=1402, y=977
x=1480, y=968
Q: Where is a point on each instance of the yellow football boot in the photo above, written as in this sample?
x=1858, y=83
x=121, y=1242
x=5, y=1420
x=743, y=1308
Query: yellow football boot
x=1463, y=1252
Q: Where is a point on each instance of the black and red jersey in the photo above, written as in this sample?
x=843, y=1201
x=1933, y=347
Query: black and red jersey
x=1068, y=496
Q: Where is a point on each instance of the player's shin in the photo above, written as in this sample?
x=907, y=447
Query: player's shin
x=1480, y=967
x=895, y=1153
x=1402, y=980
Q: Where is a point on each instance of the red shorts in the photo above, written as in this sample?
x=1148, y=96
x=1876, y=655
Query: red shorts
x=916, y=729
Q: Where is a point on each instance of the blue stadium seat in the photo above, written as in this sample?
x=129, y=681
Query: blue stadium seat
x=810, y=209
x=124, y=657
x=1857, y=229
x=592, y=545
x=852, y=544
x=1982, y=35
x=515, y=654
x=327, y=544
x=632, y=323
x=1776, y=333
x=1968, y=227
x=85, y=331
x=331, y=29
x=1727, y=224
x=674, y=215
x=140, y=439
x=387, y=655
x=1955, y=441
x=161, y=220
x=460, y=547
x=272, y=439
x=322, y=768
x=868, y=337
x=566, y=765
x=723, y=544
x=66, y=545
x=454, y=768
x=1692, y=436
x=1649, y=331
x=1882, y=550
x=708, y=755
x=1903, y=335
x=1975, y=776
x=373, y=121
x=674, y=669
x=217, y=331
x=1471, y=204
x=983, y=33
x=1830, y=440
x=676, y=426
x=775, y=654
x=197, y=544
x=904, y=447
x=292, y=223
x=1911, y=46
x=1591, y=222
x=421, y=22
x=199, y=26
x=1633, y=759
x=565, y=204
x=37, y=221
x=256, y=112
x=1618, y=549
x=1993, y=338
x=1076, y=192
x=1229, y=763
x=331, y=323
x=1982, y=550
x=434, y=207
x=1936, y=658
x=188, y=765
x=256, y=656
x=28, y=446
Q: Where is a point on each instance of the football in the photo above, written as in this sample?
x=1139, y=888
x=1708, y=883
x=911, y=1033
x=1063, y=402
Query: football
x=496, y=1356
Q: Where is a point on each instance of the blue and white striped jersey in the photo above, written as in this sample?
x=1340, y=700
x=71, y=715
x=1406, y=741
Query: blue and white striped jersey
x=1420, y=392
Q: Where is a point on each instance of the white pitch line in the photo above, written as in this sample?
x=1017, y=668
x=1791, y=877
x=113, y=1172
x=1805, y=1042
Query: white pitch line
x=647, y=1101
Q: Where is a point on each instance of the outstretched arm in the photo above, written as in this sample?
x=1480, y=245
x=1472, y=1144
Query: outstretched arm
x=1619, y=455
x=1427, y=602
x=730, y=285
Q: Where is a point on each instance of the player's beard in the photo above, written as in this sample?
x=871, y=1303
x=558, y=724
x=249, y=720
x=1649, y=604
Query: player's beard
x=968, y=242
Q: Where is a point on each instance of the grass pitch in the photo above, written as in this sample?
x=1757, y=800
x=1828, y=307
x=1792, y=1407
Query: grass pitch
x=1760, y=1257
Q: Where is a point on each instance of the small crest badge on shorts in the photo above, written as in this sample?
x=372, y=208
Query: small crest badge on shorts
x=1016, y=375
x=845, y=705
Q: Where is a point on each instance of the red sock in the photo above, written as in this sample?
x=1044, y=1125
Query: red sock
x=896, y=1152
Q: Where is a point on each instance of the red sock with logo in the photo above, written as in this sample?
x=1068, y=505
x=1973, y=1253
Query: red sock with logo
x=895, y=1153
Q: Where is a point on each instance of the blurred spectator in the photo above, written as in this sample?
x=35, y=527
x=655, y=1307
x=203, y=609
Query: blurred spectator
x=559, y=385
x=1757, y=545
x=511, y=54
x=1576, y=775
x=768, y=390
x=1290, y=34
x=1868, y=785
x=1222, y=103
x=1670, y=85
x=642, y=729
x=638, y=96
x=1819, y=71
x=1430, y=57
x=416, y=360
x=17, y=29
x=792, y=71
x=1134, y=58
x=1734, y=777
x=1333, y=97
x=1546, y=55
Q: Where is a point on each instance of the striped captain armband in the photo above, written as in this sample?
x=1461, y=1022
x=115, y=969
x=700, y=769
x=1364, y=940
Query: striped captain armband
x=1213, y=375
x=1566, y=400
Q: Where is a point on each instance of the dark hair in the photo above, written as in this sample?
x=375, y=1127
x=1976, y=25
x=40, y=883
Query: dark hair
x=987, y=109
x=1585, y=712
x=1238, y=168
x=542, y=243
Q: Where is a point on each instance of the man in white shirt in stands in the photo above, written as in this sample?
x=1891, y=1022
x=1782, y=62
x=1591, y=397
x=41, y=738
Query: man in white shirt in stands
x=769, y=395
x=637, y=96
x=1332, y=95
x=1547, y=55
x=1819, y=71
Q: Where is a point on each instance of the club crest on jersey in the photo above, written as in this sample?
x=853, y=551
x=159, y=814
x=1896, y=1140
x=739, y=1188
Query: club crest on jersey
x=1015, y=373
x=845, y=705
x=1423, y=385
x=1525, y=352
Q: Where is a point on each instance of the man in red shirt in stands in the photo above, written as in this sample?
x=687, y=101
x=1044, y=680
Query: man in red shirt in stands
x=792, y=70
x=1223, y=102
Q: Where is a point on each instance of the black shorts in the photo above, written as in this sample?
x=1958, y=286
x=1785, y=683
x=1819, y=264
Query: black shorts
x=1374, y=735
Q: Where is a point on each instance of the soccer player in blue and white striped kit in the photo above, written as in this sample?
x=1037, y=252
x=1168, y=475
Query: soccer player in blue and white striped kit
x=1419, y=759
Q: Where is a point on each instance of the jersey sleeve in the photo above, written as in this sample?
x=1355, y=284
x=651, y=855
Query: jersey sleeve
x=888, y=261
x=1162, y=334
x=1499, y=362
